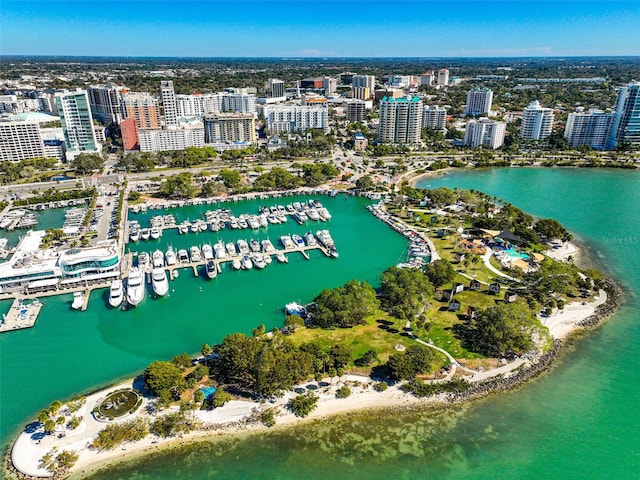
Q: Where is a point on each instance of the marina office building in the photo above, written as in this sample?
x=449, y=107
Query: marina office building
x=34, y=269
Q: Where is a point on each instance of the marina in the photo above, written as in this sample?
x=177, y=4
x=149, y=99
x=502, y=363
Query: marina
x=21, y=315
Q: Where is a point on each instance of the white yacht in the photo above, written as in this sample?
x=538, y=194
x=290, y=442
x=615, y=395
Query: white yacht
x=134, y=235
x=259, y=262
x=233, y=222
x=254, y=245
x=155, y=233
x=236, y=263
x=145, y=233
x=220, y=250
x=262, y=218
x=143, y=260
x=183, y=256
x=282, y=258
x=310, y=239
x=324, y=237
x=243, y=247
x=246, y=262
x=194, y=228
x=281, y=217
x=313, y=214
x=242, y=223
x=297, y=240
x=324, y=214
x=135, y=287
x=290, y=209
x=231, y=248
x=78, y=300
x=267, y=259
x=287, y=242
x=157, y=259
x=116, y=293
x=211, y=269
x=267, y=246
x=254, y=223
x=194, y=253
x=170, y=257
x=273, y=219
x=300, y=217
x=159, y=282
x=207, y=252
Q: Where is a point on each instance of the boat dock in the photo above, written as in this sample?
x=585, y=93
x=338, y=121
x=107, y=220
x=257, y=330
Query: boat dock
x=20, y=315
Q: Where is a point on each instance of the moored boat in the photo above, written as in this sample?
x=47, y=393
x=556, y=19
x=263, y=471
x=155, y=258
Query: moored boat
x=145, y=233
x=78, y=300
x=236, y=263
x=159, y=282
x=116, y=293
x=155, y=233
x=170, y=257
x=297, y=239
x=282, y=258
x=183, y=256
x=207, y=252
x=259, y=262
x=195, y=254
x=211, y=269
x=247, y=264
x=135, y=287
x=157, y=259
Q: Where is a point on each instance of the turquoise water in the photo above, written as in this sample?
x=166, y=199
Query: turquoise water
x=51, y=218
x=581, y=420
x=208, y=392
x=515, y=254
x=70, y=352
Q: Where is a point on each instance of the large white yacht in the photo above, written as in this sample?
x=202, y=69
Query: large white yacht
x=159, y=282
x=243, y=247
x=157, y=259
x=287, y=242
x=116, y=293
x=221, y=252
x=211, y=269
x=135, y=286
x=171, y=257
x=207, y=252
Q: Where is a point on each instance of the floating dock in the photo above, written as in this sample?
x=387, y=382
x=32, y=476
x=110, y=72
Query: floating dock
x=21, y=315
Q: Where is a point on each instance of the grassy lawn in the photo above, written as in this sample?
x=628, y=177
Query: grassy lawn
x=381, y=333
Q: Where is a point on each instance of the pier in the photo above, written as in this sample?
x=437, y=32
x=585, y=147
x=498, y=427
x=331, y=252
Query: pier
x=20, y=315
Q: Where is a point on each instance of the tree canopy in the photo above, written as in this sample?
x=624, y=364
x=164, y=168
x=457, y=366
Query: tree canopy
x=414, y=360
x=404, y=292
x=344, y=306
x=179, y=185
x=440, y=272
x=163, y=377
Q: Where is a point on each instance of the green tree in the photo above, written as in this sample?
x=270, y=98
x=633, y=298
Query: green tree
x=343, y=392
x=182, y=361
x=404, y=292
x=163, y=377
x=230, y=178
x=86, y=162
x=440, y=272
x=344, y=306
x=365, y=183
x=503, y=328
x=206, y=350
x=180, y=185
x=416, y=359
x=550, y=229
x=220, y=397
x=303, y=404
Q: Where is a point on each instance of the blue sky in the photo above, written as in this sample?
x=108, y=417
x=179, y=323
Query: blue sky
x=372, y=28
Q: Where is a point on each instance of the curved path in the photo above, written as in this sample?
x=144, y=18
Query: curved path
x=485, y=259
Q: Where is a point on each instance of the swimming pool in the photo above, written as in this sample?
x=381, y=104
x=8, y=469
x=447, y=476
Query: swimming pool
x=208, y=392
x=515, y=254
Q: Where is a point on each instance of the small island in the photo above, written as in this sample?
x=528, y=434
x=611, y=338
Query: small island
x=484, y=300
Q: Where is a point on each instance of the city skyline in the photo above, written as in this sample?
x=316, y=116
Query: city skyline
x=457, y=28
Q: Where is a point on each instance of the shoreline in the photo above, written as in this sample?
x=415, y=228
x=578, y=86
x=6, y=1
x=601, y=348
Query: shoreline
x=233, y=417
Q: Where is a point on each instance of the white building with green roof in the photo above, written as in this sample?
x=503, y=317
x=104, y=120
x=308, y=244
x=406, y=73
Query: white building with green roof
x=400, y=120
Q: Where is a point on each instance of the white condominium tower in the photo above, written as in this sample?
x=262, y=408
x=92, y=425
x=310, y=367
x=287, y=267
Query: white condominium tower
x=434, y=117
x=536, y=122
x=77, y=122
x=400, y=120
x=169, y=104
x=19, y=141
x=485, y=133
x=626, y=121
x=295, y=118
x=443, y=77
x=478, y=101
x=105, y=102
x=590, y=128
x=367, y=81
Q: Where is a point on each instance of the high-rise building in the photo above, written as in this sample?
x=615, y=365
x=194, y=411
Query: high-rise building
x=537, y=122
x=427, y=79
x=346, y=78
x=199, y=104
x=143, y=107
x=230, y=128
x=399, y=81
x=104, y=101
x=77, y=122
x=626, y=121
x=443, y=77
x=164, y=140
x=129, y=132
x=434, y=117
x=367, y=81
x=590, y=128
x=20, y=141
x=361, y=93
x=485, y=133
x=478, y=101
x=355, y=110
x=329, y=85
x=275, y=88
x=295, y=118
x=169, y=104
x=400, y=120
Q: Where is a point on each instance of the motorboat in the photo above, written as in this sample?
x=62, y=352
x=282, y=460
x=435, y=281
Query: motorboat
x=157, y=259
x=236, y=263
x=135, y=287
x=262, y=218
x=145, y=233
x=296, y=206
x=202, y=226
x=282, y=258
x=300, y=217
x=155, y=233
x=281, y=209
x=170, y=257
x=287, y=242
x=195, y=254
x=183, y=256
x=183, y=228
x=297, y=240
x=116, y=293
x=243, y=247
x=310, y=239
x=231, y=248
x=313, y=214
x=242, y=223
x=159, y=282
x=220, y=250
x=324, y=213
x=78, y=300
x=294, y=308
x=213, y=226
x=207, y=252
x=281, y=217
x=134, y=235
x=194, y=228
x=211, y=269
x=273, y=219
x=267, y=246
x=324, y=237
x=254, y=223
x=143, y=260
x=267, y=259
x=259, y=262
x=254, y=245
x=233, y=222
x=290, y=209
x=246, y=262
